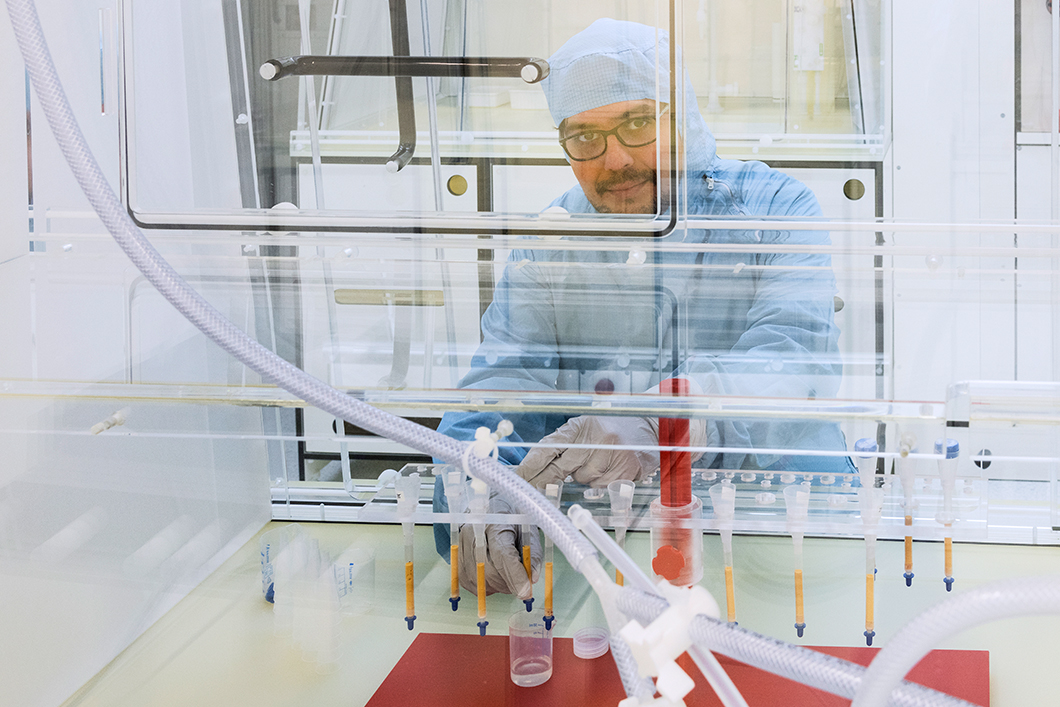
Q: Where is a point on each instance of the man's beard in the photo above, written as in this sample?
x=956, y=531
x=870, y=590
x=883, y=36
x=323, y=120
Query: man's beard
x=623, y=177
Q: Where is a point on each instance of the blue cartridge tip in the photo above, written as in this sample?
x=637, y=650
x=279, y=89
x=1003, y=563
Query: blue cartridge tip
x=410, y=620
x=529, y=604
x=482, y=627
x=868, y=637
x=270, y=593
x=949, y=446
x=949, y=583
x=800, y=628
x=908, y=579
x=454, y=601
x=548, y=622
x=866, y=445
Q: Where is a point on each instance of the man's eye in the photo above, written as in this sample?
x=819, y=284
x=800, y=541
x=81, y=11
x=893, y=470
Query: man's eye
x=587, y=137
x=639, y=123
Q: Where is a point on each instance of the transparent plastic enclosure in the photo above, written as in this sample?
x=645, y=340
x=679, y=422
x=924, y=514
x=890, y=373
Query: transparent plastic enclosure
x=209, y=141
x=387, y=225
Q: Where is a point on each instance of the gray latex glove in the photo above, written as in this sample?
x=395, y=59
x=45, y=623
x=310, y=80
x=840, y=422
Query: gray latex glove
x=599, y=467
x=505, y=572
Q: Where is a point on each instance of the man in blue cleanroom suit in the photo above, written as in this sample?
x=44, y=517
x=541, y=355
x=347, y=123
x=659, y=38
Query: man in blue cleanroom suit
x=731, y=321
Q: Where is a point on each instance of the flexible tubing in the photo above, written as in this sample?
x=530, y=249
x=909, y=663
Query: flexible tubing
x=229, y=337
x=634, y=685
x=817, y=670
x=724, y=688
x=583, y=520
x=1001, y=600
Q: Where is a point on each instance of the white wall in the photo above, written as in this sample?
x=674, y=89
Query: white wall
x=954, y=162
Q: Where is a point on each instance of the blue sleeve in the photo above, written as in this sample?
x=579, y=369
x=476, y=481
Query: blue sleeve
x=789, y=344
x=518, y=353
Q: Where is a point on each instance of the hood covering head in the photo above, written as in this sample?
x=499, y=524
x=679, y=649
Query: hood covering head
x=613, y=61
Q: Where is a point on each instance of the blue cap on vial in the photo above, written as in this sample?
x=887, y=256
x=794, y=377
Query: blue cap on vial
x=866, y=445
x=951, y=446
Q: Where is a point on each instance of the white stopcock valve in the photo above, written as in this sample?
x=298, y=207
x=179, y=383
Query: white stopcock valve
x=657, y=646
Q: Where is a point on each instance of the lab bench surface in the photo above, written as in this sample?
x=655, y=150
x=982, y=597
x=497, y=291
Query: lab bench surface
x=217, y=645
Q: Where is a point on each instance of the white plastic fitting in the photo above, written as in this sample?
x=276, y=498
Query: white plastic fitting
x=651, y=702
x=871, y=502
x=115, y=420
x=453, y=482
x=797, y=506
x=723, y=498
x=657, y=646
x=407, y=490
x=480, y=496
x=621, y=496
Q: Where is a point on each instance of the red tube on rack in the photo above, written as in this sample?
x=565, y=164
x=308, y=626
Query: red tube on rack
x=675, y=468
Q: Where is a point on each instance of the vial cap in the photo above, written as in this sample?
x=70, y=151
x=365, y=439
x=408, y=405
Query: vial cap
x=950, y=446
x=866, y=445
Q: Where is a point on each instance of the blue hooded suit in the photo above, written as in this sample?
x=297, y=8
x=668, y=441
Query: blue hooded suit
x=740, y=323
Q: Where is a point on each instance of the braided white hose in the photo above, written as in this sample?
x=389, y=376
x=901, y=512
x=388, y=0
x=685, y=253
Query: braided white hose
x=1032, y=596
x=803, y=665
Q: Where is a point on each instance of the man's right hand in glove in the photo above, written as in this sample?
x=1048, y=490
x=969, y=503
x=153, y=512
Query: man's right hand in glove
x=592, y=466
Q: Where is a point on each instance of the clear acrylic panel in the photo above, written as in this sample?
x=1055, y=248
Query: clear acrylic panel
x=854, y=245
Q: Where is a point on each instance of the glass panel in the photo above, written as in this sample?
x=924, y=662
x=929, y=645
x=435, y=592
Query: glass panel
x=852, y=268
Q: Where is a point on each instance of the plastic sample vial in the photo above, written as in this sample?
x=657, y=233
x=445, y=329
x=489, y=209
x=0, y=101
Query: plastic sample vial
x=530, y=649
x=591, y=642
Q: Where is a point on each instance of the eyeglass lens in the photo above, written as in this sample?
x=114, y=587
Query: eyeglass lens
x=635, y=132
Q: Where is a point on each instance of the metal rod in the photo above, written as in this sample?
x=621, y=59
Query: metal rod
x=399, y=34
x=529, y=69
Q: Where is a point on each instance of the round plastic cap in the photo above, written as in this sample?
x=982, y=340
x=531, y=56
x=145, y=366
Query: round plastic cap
x=866, y=444
x=591, y=642
x=951, y=445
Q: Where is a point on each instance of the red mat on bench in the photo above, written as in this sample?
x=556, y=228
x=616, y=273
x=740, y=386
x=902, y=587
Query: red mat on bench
x=460, y=670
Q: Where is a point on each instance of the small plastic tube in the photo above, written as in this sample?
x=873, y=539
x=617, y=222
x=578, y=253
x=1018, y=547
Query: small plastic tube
x=723, y=498
x=870, y=499
x=453, y=482
x=905, y=474
x=527, y=529
x=797, y=505
x=948, y=473
x=480, y=505
x=621, y=496
x=552, y=493
x=407, y=490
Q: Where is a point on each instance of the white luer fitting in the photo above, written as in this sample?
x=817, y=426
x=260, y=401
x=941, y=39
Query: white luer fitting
x=651, y=702
x=657, y=646
x=485, y=442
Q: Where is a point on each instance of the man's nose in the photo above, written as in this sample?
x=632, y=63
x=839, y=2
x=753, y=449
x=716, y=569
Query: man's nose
x=617, y=155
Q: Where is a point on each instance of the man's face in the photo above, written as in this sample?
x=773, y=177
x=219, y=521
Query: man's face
x=623, y=180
